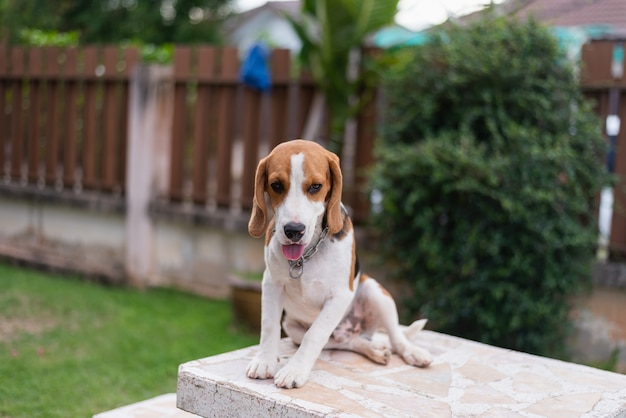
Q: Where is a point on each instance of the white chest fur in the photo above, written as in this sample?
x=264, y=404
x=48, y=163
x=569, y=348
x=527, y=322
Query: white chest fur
x=325, y=275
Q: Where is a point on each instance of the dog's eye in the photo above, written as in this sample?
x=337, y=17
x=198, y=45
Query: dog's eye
x=277, y=187
x=315, y=188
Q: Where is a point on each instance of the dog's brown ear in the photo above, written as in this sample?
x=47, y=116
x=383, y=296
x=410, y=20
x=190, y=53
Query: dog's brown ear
x=334, y=218
x=258, y=219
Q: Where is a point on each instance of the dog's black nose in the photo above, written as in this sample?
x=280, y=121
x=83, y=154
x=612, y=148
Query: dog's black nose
x=294, y=231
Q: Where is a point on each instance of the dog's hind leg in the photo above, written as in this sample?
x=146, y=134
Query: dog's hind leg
x=384, y=308
x=376, y=351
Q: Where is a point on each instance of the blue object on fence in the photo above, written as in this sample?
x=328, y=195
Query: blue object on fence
x=254, y=71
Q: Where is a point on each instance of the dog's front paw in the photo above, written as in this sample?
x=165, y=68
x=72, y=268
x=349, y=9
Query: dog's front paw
x=416, y=356
x=291, y=376
x=260, y=368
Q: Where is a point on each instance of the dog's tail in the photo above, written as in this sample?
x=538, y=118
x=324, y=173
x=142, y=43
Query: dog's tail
x=414, y=328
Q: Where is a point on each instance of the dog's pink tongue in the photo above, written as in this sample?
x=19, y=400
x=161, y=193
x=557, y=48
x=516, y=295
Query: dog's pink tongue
x=293, y=251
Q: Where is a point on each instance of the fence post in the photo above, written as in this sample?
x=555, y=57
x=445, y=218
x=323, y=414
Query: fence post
x=148, y=164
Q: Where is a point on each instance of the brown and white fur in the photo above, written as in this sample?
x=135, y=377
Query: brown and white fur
x=331, y=305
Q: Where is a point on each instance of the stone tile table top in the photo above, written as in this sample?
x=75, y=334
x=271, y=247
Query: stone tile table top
x=466, y=379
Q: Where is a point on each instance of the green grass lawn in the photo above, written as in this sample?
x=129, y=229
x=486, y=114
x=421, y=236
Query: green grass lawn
x=70, y=348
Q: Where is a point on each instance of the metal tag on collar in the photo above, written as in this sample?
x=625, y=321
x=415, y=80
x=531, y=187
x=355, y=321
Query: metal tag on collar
x=296, y=267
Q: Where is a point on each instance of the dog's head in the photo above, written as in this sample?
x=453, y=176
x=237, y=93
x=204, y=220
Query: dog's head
x=303, y=181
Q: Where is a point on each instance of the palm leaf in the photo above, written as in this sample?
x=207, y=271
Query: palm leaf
x=329, y=30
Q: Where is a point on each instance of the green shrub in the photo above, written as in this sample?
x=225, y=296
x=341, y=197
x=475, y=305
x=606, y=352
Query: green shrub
x=38, y=37
x=488, y=168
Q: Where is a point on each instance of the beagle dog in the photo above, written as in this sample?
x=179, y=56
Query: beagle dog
x=312, y=272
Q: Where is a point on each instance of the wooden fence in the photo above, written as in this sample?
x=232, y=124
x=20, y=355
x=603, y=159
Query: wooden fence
x=64, y=123
x=63, y=116
x=213, y=112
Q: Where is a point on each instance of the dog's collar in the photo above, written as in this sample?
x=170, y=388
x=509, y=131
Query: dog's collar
x=296, y=267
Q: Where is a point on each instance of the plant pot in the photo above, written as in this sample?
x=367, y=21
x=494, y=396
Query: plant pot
x=245, y=298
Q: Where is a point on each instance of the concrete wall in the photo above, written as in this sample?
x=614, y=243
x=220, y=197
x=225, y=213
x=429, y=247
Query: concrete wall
x=184, y=253
x=600, y=328
x=200, y=258
x=64, y=237
x=600, y=319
